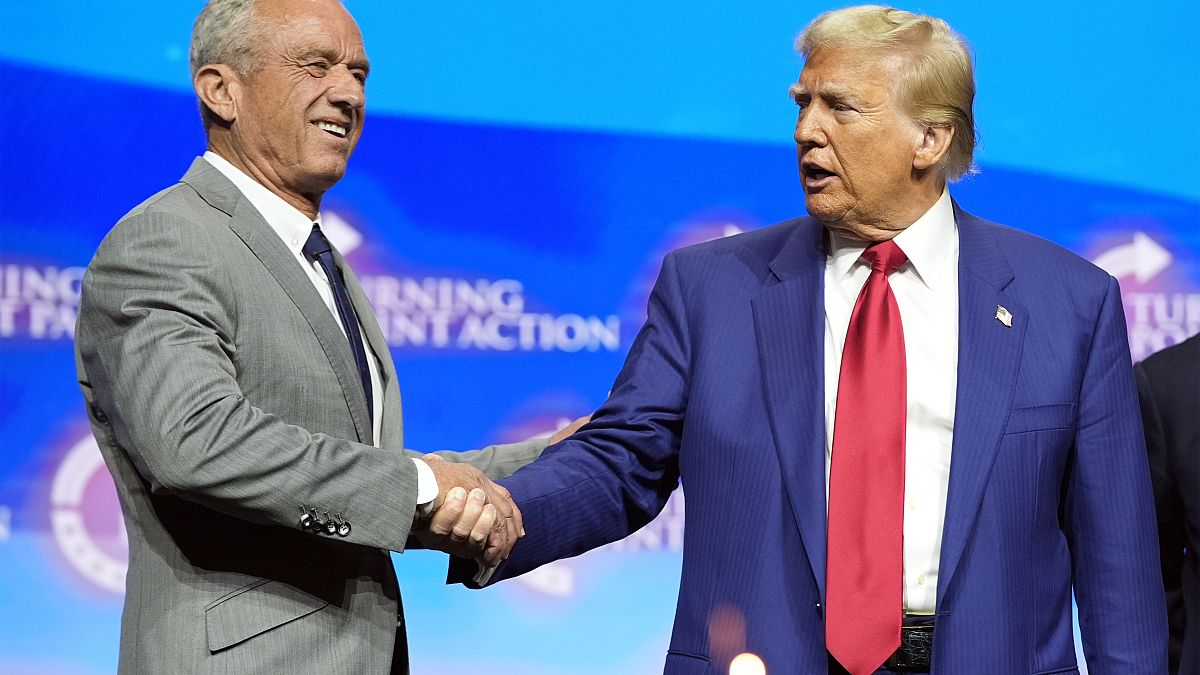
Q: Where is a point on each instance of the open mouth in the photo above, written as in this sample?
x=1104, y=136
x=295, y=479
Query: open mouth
x=815, y=175
x=333, y=128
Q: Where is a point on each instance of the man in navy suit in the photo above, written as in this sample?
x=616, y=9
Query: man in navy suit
x=1169, y=387
x=906, y=434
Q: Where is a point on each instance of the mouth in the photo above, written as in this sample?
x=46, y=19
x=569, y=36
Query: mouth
x=815, y=176
x=334, y=128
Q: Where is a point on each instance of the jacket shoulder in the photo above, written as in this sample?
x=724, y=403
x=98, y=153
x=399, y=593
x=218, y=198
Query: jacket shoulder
x=752, y=250
x=176, y=201
x=1029, y=254
x=175, y=216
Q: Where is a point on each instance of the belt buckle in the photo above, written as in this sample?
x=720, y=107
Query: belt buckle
x=915, y=652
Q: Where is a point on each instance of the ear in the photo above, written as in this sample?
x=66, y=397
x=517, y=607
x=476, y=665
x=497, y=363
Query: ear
x=218, y=87
x=932, y=146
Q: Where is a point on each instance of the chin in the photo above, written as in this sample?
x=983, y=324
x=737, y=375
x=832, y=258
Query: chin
x=321, y=178
x=819, y=207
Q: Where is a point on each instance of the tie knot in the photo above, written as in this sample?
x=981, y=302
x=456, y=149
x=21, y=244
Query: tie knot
x=317, y=244
x=884, y=257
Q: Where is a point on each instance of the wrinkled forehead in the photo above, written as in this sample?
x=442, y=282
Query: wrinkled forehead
x=835, y=70
x=325, y=15
x=314, y=24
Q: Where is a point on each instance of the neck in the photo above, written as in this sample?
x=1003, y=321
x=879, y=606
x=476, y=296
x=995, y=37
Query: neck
x=926, y=192
x=265, y=175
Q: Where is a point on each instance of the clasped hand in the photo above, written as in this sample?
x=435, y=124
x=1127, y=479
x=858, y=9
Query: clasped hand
x=472, y=517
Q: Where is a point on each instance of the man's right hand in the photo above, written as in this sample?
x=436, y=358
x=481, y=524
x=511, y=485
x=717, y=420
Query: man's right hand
x=472, y=516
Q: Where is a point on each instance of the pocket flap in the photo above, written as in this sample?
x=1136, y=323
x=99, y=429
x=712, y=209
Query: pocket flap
x=255, y=609
x=1040, y=418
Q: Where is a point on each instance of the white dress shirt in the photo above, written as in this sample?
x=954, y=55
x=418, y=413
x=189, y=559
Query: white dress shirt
x=926, y=290
x=293, y=227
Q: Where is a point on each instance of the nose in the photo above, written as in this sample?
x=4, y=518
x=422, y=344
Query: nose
x=346, y=90
x=809, y=132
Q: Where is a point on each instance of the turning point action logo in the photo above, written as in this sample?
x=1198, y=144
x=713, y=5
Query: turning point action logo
x=38, y=302
x=454, y=313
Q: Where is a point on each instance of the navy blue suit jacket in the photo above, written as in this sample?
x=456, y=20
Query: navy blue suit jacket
x=1049, y=487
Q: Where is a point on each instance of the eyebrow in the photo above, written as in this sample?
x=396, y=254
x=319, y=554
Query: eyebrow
x=829, y=91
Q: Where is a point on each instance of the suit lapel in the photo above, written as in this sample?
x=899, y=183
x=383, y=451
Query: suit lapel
x=989, y=357
x=789, y=322
x=249, y=226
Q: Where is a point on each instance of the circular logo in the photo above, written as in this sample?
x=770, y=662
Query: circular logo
x=85, y=517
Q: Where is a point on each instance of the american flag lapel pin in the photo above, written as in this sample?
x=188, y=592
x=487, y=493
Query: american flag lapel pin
x=1004, y=316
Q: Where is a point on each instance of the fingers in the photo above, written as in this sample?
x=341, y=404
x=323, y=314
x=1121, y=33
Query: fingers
x=441, y=523
x=462, y=525
x=503, y=500
x=499, y=544
x=483, y=527
x=460, y=532
x=459, y=524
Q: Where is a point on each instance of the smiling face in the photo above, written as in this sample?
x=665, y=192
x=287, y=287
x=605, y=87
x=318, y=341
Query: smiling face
x=296, y=118
x=857, y=148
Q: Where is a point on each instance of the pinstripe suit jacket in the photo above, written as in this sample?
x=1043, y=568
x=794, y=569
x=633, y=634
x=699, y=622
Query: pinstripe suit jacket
x=1049, y=488
x=224, y=398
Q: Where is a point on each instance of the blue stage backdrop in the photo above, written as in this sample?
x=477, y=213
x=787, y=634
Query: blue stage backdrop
x=523, y=170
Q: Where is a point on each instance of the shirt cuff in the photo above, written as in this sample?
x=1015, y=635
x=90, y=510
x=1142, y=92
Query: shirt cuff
x=484, y=574
x=427, y=488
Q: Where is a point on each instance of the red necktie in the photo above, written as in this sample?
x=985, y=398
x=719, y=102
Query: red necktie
x=864, y=594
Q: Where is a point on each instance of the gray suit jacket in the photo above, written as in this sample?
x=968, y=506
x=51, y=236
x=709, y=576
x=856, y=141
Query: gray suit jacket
x=225, y=400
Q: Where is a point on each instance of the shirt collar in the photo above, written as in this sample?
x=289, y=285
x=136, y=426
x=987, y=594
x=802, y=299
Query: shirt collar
x=929, y=244
x=288, y=222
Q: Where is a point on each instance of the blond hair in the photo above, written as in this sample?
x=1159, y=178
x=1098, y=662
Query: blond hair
x=937, y=84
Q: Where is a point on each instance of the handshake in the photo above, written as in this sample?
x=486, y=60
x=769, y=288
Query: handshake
x=473, y=517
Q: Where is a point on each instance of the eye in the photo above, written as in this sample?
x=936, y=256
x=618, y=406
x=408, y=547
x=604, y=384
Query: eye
x=842, y=107
x=317, y=68
x=360, y=76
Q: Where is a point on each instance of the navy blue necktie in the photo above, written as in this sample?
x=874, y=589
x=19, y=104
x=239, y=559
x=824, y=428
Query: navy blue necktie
x=317, y=248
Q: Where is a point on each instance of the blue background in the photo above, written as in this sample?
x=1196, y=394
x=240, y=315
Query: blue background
x=566, y=146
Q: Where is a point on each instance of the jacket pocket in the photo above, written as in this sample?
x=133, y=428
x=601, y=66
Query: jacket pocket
x=682, y=663
x=1059, y=671
x=254, y=609
x=1040, y=418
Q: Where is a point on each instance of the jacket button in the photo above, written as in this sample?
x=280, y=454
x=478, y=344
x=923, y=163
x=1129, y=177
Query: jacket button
x=99, y=414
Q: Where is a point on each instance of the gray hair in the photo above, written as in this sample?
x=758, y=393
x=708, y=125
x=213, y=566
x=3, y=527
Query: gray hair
x=938, y=85
x=224, y=33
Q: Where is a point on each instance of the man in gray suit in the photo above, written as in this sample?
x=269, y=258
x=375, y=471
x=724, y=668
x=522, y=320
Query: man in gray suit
x=242, y=393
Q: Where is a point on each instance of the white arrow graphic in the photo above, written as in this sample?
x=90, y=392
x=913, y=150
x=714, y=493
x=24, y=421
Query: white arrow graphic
x=343, y=236
x=1143, y=258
